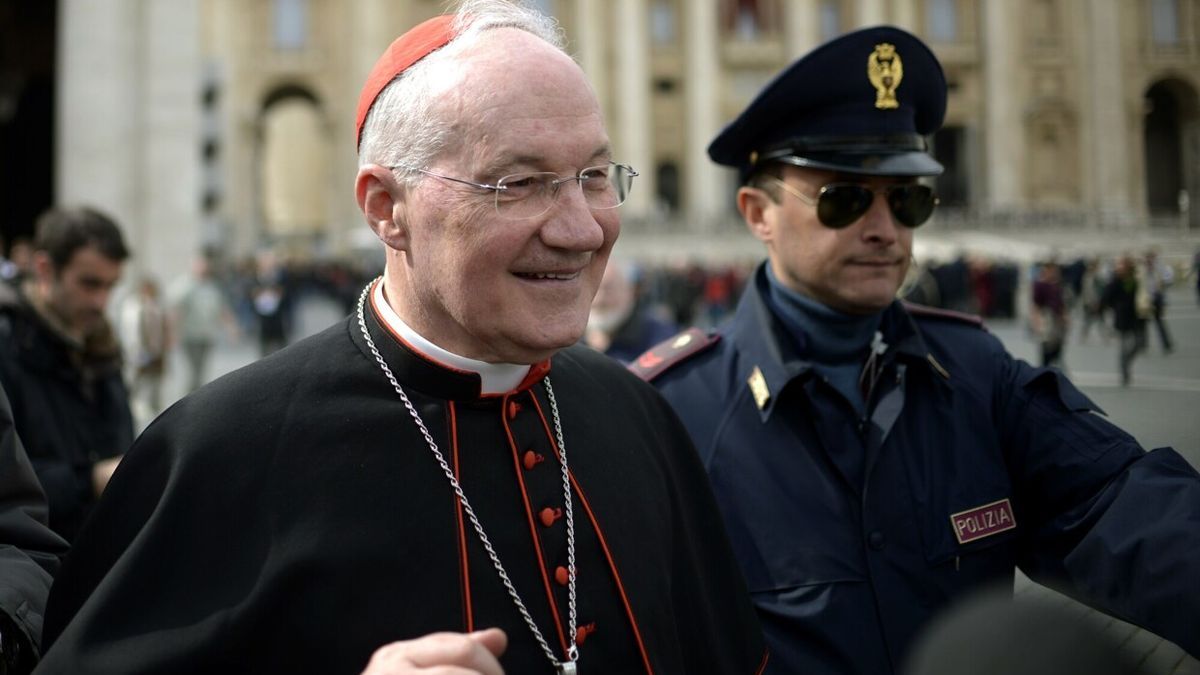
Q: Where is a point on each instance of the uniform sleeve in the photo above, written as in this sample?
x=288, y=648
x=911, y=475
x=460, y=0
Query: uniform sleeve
x=711, y=600
x=29, y=550
x=1104, y=521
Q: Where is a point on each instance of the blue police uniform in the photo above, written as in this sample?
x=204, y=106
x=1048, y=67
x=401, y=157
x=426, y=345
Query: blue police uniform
x=854, y=525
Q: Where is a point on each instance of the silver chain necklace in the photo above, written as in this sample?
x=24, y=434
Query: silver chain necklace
x=568, y=667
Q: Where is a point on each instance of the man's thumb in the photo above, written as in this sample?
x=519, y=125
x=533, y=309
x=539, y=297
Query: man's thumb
x=493, y=639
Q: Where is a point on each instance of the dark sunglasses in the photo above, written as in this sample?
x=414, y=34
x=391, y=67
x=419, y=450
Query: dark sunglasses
x=840, y=204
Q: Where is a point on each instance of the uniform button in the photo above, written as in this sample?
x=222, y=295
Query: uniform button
x=875, y=540
x=561, y=575
x=549, y=515
x=513, y=409
x=531, y=459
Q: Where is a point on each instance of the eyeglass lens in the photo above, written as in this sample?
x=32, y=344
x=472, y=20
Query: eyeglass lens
x=528, y=195
x=840, y=204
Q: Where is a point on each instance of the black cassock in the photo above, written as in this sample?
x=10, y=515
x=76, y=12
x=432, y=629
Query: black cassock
x=291, y=518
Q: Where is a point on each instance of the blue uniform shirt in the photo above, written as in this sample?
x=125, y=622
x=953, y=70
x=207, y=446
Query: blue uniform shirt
x=853, y=530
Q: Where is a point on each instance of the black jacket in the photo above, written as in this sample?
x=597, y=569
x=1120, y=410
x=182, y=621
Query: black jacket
x=70, y=406
x=29, y=551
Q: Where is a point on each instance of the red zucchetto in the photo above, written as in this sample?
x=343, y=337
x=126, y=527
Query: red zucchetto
x=406, y=50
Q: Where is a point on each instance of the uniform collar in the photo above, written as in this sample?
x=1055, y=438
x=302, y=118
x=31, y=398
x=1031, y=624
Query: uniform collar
x=763, y=341
x=773, y=359
x=902, y=332
x=418, y=363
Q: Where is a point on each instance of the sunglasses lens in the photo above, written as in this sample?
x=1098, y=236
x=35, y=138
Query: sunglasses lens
x=839, y=205
x=912, y=204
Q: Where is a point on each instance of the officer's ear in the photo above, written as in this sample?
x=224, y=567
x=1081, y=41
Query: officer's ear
x=382, y=200
x=754, y=203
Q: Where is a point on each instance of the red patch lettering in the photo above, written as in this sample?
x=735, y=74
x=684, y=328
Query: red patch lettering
x=983, y=521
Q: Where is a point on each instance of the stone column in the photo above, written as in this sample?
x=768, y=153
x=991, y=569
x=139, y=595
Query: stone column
x=373, y=25
x=128, y=123
x=1004, y=135
x=871, y=13
x=631, y=133
x=1105, y=114
x=802, y=26
x=705, y=189
x=904, y=15
x=98, y=111
x=589, y=33
x=171, y=176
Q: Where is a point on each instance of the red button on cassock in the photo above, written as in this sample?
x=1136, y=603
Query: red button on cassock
x=531, y=459
x=549, y=515
x=561, y=575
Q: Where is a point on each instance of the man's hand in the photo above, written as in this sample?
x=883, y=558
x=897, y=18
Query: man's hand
x=450, y=653
x=102, y=471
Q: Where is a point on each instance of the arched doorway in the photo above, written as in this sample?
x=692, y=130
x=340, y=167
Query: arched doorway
x=293, y=168
x=1171, y=142
x=27, y=65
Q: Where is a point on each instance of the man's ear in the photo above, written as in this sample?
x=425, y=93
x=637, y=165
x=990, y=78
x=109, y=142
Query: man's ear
x=381, y=199
x=754, y=204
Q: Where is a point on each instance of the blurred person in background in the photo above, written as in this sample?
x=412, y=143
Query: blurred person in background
x=146, y=336
x=1158, y=276
x=271, y=298
x=1127, y=297
x=1196, y=273
x=19, y=263
x=60, y=361
x=1048, y=316
x=620, y=324
x=993, y=633
x=200, y=311
x=1091, y=294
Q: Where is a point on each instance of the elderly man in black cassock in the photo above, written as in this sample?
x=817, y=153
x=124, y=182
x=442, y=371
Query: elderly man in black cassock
x=442, y=479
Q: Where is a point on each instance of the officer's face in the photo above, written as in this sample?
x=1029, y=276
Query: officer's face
x=497, y=289
x=856, y=269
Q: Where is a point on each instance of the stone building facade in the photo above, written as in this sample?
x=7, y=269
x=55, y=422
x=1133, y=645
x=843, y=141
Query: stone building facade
x=227, y=124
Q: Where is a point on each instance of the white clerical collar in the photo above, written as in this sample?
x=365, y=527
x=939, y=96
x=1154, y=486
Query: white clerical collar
x=496, y=378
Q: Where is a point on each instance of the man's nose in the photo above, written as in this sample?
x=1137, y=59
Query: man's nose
x=879, y=223
x=571, y=224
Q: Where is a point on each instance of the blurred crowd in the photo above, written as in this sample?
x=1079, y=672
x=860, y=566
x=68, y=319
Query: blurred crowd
x=638, y=305
x=1117, y=299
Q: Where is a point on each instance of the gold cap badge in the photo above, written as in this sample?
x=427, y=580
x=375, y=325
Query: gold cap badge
x=885, y=70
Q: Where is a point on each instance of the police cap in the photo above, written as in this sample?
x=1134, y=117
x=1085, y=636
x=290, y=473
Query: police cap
x=861, y=103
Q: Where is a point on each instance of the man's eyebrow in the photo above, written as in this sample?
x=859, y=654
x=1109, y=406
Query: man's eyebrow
x=504, y=163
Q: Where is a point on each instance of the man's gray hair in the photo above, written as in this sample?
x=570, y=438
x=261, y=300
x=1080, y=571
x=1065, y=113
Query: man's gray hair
x=406, y=125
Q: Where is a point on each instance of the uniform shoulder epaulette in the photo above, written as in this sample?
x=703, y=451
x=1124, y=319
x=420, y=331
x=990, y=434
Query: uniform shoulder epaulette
x=937, y=313
x=662, y=356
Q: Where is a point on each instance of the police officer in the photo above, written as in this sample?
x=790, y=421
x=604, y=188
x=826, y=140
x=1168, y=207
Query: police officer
x=874, y=460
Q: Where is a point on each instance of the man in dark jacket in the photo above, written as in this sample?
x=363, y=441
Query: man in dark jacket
x=61, y=363
x=29, y=552
x=876, y=461
x=1126, y=296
